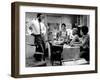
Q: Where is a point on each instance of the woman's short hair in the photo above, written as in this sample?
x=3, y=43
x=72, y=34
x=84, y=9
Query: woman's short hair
x=84, y=30
x=63, y=24
x=75, y=30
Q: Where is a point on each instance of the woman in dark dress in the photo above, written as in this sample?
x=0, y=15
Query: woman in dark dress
x=84, y=48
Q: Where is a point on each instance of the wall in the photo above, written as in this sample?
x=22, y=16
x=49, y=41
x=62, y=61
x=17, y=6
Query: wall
x=5, y=40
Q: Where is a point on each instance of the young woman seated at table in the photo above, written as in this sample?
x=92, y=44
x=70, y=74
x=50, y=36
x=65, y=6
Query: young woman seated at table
x=62, y=35
x=75, y=39
x=63, y=31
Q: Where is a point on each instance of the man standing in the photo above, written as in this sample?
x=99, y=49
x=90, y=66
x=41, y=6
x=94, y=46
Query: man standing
x=38, y=30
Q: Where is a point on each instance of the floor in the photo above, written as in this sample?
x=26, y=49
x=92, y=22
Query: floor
x=30, y=62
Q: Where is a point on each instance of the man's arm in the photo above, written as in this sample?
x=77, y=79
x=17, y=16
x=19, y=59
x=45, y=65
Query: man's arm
x=31, y=27
x=44, y=29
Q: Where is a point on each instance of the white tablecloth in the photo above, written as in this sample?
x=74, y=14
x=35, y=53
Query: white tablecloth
x=70, y=53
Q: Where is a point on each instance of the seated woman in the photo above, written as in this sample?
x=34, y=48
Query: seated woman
x=84, y=47
x=63, y=31
x=75, y=39
x=62, y=35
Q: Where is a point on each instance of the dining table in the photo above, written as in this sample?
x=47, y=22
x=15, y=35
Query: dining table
x=70, y=52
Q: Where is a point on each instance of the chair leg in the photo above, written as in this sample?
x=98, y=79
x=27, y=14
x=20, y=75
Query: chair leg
x=60, y=62
x=52, y=62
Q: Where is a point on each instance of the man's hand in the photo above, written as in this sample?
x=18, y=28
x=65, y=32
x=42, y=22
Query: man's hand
x=30, y=28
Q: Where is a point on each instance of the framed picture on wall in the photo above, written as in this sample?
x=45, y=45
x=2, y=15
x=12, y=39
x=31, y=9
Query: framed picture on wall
x=53, y=39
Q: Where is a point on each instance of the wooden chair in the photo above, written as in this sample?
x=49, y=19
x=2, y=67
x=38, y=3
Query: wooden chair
x=56, y=54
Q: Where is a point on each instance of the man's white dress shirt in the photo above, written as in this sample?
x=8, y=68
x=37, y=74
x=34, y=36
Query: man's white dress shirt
x=36, y=25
